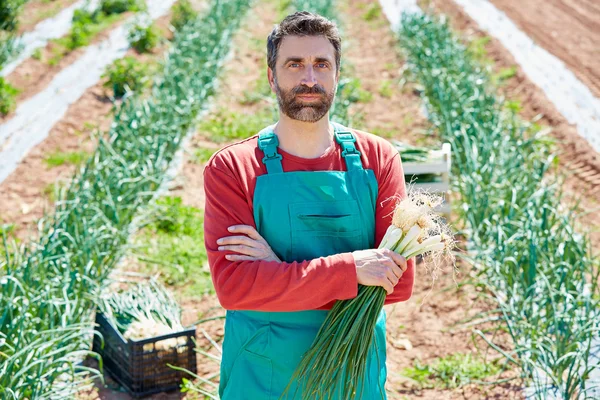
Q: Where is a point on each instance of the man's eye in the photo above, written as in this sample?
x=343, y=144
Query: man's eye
x=322, y=65
x=294, y=65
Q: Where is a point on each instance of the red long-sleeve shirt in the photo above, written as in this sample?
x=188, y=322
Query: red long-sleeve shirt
x=229, y=182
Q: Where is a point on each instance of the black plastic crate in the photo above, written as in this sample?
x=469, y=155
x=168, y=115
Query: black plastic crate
x=140, y=366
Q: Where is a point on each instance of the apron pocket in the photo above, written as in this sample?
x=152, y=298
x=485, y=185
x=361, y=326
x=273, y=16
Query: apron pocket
x=335, y=225
x=251, y=378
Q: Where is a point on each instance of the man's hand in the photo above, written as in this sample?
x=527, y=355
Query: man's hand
x=379, y=267
x=252, y=247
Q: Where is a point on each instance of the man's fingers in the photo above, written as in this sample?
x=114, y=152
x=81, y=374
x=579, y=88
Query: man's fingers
x=399, y=260
x=393, y=276
x=247, y=230
x=237, y=240
x=389, y=287
x=238, y=257
x=240, y=248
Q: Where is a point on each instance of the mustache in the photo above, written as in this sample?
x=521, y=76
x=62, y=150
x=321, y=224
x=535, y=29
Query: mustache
x=302, y=89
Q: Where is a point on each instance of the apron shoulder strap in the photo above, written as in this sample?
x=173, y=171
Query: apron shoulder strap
x=267, y=142
x=346, y=139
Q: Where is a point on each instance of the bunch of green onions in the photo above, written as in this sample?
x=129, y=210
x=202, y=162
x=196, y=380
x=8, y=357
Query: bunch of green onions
x=336, y=362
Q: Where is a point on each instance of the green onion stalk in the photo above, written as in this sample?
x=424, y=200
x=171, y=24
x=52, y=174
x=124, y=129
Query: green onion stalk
x=335, y=364
x=143, y=311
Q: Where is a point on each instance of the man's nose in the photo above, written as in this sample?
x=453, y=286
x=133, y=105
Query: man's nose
x=309, y=78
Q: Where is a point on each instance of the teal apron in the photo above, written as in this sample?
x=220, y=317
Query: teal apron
x=303, y=215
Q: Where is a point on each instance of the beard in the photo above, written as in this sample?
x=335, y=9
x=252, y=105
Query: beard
x=301, y=110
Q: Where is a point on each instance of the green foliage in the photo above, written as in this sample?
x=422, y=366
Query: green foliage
x=59, y=158
x=126, y=74
x=143, y=37
x=224, y=125
x=6, y=229
x=9, y=14
x=174, y=244
x=109, y=7
x=182, y=12
x=476, y=48
x=385, y=89
x=10, y=46
x=7, y=97
x=87, y=24
x=452, y=371
x=203, y=154
x=504, y=74
x=37, y=54
x=373, y=12
x=261, y=91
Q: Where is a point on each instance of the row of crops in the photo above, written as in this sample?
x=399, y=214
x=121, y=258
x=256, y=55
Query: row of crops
x=9, y=23
x=536, y=269
x=49, y=288
x=540, y=274
x=86, y=24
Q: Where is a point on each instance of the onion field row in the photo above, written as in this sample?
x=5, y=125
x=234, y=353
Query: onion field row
x=49, y=287
x=522, y=241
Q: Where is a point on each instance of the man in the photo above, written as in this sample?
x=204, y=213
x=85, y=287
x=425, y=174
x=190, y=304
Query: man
x=293, y=218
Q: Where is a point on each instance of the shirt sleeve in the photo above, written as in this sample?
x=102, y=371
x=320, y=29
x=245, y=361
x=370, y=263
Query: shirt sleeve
x=265, y=285
x=391, y=189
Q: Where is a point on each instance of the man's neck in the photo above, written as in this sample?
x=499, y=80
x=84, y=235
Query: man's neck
x=304, y=139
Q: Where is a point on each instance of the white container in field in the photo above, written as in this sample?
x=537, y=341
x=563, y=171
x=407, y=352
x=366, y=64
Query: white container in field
x=438, y=165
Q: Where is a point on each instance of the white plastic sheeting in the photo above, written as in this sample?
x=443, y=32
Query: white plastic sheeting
x=51, y=28
x=35, y=117
x=572, y=98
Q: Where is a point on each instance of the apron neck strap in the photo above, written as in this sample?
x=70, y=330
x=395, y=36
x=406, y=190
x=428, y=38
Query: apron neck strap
x=346, y=139
x=268, y=142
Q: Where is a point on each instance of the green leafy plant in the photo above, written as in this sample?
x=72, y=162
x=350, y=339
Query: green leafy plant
x=171, y=244
x=224, y=125
x=59, y=158
x=109, y=7
x=182, y=12
x=7, y=97
x=10, y=46
x=385, y=89
x=203, y=154
x=143, y=37
x=373, y=12
x=452, y=371
x=126, y=74
x=9, y=14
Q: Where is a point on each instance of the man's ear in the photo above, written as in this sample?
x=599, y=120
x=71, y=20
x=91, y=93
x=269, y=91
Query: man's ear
x=271, y=79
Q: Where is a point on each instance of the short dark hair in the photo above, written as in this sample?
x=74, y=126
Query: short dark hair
x=303, y=23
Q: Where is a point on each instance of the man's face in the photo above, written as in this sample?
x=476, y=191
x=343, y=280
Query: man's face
x=305, y=78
